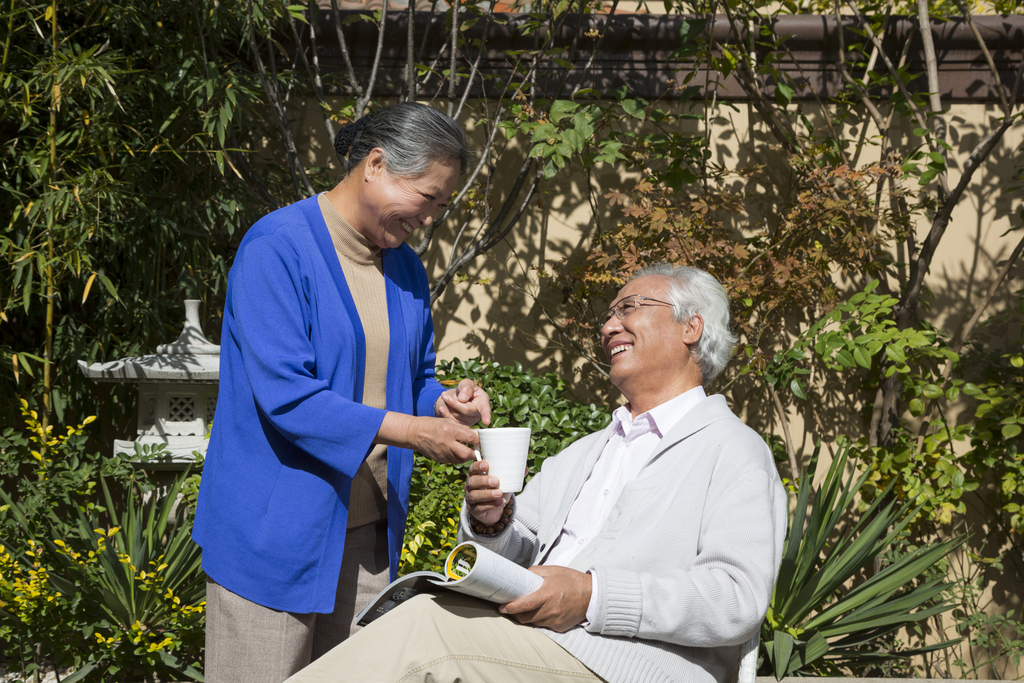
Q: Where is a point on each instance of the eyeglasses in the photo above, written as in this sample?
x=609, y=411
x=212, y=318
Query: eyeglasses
x=627, y=306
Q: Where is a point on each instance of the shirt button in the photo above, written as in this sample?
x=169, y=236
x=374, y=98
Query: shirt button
x=606, y=492
x=581, y=542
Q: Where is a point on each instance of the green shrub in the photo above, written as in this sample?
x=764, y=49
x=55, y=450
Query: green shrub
x=144, y=584
x=43, y=475
x=112, y=589
x=518, y=399
x=818, y=625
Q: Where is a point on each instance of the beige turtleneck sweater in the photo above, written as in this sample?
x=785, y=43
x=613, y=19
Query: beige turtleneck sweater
x=364, y=271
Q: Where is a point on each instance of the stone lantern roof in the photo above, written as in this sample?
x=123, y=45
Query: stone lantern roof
x=177, y=394
x=190, y=358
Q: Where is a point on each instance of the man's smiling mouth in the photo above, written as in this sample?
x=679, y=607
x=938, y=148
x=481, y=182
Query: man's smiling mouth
x=619, y=349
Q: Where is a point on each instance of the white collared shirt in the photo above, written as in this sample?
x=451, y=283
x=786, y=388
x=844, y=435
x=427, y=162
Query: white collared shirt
x=630, y=447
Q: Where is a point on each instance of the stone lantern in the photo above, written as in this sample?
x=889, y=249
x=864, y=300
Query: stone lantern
x=177, y=393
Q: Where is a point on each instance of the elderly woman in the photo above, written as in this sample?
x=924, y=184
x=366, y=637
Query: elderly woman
x=327, y=386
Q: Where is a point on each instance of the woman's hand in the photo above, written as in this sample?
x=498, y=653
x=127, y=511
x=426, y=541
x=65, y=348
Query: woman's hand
x=441, y=440
x=466, y=404
x=484, y=499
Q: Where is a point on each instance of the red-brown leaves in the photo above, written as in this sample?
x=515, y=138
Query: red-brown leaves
x=833, y=219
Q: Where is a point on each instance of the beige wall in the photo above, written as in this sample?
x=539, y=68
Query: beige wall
x=499, y=312
x=497, y=320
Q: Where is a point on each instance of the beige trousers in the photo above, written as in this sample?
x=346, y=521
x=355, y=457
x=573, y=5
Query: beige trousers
x=447, y=638
x=249, y=643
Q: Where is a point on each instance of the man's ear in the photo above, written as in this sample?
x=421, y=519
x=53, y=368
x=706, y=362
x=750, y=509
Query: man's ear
x=693, y=329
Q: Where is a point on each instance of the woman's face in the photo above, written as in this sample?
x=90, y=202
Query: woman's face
x=397, y=205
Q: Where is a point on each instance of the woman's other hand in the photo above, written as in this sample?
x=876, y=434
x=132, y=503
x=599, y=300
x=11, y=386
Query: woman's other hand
x=466, y=404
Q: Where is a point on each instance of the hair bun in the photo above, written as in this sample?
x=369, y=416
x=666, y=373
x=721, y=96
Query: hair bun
x=348, y=136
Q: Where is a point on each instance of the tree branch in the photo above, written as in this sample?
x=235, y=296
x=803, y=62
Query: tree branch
x=794, y=466
x=932, y=68
x=921, y=264
x=432, y=69
x=410, y=44
x=494, y=232
x=597, y=46
x=251, y=181
x=783, y=132
x=870, y=66
x=299, y=178
x=905, y=313
x=313, y=71
x=824, y=109
x=866, y=27
x=571, y=56
x=988, y=55
x=362, y=102
x=426, y=32
x=1004, y=273
x=476, y=62
x=965, y=333
x=844, y=72
x=453, y=79
x=500, y=235
x=350, y=72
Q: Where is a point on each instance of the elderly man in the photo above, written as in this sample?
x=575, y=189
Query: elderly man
x=658, y=538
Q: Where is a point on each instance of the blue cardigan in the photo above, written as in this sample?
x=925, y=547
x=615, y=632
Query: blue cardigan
x=290, y=430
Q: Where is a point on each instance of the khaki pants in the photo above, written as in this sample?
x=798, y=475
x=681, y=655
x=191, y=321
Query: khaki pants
x=249, y=643
x=448, y=638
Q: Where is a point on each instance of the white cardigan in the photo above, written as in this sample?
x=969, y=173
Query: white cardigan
x=686, y=560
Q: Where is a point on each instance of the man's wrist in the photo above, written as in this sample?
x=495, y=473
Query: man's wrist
x=507, y=514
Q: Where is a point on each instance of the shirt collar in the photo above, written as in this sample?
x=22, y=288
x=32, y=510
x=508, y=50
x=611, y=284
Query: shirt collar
x=659, y=419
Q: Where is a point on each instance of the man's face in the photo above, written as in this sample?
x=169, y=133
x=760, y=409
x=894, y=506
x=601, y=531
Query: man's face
x=648, y=352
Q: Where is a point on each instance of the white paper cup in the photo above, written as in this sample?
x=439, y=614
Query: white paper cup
x=506, y=449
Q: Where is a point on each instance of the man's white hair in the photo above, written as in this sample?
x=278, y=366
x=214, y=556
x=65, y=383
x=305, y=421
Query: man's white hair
x=694, y=291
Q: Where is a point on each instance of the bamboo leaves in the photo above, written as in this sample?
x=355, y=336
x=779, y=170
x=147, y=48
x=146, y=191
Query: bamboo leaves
x=139, y=182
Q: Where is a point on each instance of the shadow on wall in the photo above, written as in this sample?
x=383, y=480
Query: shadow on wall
x=501, y=310
x=504, y=310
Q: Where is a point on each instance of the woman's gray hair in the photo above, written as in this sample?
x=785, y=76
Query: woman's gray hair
x=694, y=291
x=412, y=135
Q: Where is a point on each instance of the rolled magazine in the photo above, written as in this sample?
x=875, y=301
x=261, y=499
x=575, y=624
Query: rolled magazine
x=470, y=569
